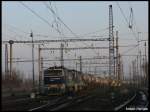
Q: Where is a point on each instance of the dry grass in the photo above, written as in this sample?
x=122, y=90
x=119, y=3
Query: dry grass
x=16, y=82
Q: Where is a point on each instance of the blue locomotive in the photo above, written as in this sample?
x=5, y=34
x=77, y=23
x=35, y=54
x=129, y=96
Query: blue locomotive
x=54, y=81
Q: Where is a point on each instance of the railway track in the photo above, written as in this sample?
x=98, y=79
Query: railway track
x=91, y=100
x=71, y=102
x=26, y=103
x=137, y=102
x=88, y=103
x=50, y=102
x=11, y=98
x=15, y=101
x=60, y=103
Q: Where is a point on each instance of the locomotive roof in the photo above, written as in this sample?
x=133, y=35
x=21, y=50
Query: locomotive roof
x=70, y=70
x=60, y=67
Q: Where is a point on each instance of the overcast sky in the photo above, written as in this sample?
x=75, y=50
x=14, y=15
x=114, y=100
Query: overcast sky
x=81, y=17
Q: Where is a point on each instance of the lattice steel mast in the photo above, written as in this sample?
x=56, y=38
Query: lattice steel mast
x=111, y=44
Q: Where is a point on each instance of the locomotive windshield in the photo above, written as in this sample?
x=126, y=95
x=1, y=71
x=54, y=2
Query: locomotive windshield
x=55, y=72
x=53, y=80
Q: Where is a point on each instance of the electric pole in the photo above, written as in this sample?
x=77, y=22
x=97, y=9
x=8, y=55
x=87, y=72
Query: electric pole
x=130, y=74
x=119, y=67
x=31, y=35
x=140, y=68
x=117, y=56
x=137, y=73
x=10, y=42
x=95, y=71
x=133, y=72
x=61, y=52
x=111, y=44
x=146, y=66
x=80, y=64
x=6, y=61
x=144, y=71
x=122, y=72
x=42, y=78
x=39, y=63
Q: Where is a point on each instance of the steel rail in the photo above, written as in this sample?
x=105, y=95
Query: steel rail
x=125, y=103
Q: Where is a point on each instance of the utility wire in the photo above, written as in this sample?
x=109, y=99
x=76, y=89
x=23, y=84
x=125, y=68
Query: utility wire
x=42, y=35
x=55, y=17
x=129, y=50
x=37, y=15
x=64, y=23
x=94, y=32
x=123, y=13
x=61, y=20
x=137, y=29
x=55, y=20
x=18, y=36
x=25, y=32
x=127, y=21
x=14, y=27
x=9, y=36
x=17, y=33
x=46, y=36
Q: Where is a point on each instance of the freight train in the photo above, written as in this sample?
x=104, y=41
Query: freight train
x=59, y=80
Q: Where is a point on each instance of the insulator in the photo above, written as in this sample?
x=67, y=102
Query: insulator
x=130, y=26
x=131, y=19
